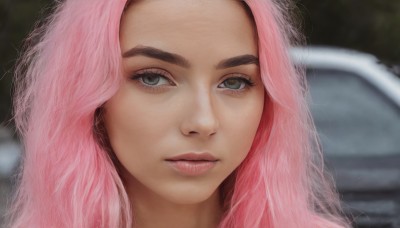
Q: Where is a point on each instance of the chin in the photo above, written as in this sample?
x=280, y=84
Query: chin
x=194, y=195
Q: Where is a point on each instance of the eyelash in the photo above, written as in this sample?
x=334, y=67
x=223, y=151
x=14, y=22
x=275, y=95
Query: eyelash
x=139, y=75
x=248, y=83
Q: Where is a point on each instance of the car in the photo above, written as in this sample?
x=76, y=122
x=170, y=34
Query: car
x=10, y=152
x=355, y=103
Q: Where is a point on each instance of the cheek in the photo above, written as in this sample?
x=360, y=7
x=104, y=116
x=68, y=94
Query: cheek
x=141, y=127
x=240, y=126
x=132, y=125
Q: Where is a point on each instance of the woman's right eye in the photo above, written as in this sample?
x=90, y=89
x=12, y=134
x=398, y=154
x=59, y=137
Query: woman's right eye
x=152, y=78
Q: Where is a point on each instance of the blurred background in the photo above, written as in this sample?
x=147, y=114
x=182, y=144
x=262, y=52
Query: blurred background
x=353, y=67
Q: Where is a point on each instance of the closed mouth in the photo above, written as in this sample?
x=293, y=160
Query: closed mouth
x=193, y=157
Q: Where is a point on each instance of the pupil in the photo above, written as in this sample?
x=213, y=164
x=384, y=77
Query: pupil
x=151, y=79
x=232, y=83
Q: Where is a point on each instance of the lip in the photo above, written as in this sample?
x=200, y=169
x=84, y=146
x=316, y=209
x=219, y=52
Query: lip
x=193, y=157
x=192, y=164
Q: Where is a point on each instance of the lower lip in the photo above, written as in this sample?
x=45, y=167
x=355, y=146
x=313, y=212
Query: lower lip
x=192, y=168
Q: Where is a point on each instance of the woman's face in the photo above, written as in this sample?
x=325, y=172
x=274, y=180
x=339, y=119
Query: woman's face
x=191, y=98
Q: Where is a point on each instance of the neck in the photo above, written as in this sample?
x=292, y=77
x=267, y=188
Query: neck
x=152, y=211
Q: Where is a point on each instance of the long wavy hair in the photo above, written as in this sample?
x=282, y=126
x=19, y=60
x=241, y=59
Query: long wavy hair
x=71, y=65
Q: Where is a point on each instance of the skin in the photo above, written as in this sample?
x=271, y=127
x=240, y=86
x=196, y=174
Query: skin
x=167, y=107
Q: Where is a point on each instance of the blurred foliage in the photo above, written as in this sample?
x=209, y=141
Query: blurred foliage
x=371, y=26
x=367, y=25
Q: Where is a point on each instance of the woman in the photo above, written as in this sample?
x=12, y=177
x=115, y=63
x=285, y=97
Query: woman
x=166, y=113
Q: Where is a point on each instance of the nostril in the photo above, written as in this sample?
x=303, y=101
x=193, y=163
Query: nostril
x=197, y=133
x=202, y=123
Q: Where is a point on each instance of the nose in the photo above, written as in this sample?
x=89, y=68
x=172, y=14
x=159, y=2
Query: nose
x=201, y=117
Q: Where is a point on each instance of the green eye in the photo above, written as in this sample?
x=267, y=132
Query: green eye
x=151, y=79
x=236, y=83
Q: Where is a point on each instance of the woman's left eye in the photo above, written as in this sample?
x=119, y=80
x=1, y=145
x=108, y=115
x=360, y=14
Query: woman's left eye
x=236, y=83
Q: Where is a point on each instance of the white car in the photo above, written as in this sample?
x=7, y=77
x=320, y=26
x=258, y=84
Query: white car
x=10, y=153
x=355, y=102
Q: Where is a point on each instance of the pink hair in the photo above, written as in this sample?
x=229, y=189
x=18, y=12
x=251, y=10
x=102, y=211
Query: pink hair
x=281, y=183
x=68, y=178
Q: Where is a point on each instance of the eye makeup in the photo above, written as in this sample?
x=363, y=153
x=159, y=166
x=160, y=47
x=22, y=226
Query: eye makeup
x=157, y=80
x=236, y=82
x=153, y=79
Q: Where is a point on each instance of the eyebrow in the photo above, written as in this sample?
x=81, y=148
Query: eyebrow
x=181, y=61
x=237, y=61
x=157, y=54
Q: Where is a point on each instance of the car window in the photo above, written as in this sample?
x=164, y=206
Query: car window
x=351, y=115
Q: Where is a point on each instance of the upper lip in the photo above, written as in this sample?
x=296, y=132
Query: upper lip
x=193, y=157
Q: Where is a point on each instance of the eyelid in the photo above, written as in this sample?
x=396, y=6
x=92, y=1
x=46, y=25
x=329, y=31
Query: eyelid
x=236, y=75
x=158, y=71
x=153, y=70
x=249, y=83
x=247, y=79
x=138, y=75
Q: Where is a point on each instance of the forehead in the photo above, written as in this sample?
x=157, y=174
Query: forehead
x=187, y=24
